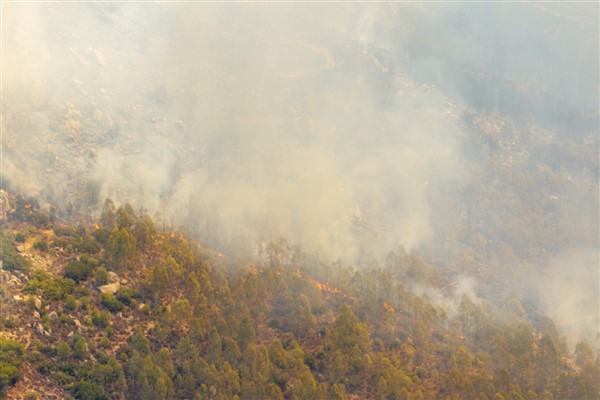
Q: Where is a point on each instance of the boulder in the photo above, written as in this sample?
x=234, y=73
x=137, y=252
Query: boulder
x=110, y=288
x=53, y=316
x=37, y=302
x=80, y=328
x=113, y=277
x=39, y=328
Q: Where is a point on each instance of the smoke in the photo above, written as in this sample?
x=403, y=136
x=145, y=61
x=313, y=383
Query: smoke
x=449, y=300
x=334, y=125
x=569, y=291
x=230, y=119
x=339, y=126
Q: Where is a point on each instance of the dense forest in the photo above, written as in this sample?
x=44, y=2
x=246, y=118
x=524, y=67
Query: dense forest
x=120, y=309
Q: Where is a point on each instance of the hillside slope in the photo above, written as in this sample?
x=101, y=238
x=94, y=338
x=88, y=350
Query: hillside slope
x=122, y=310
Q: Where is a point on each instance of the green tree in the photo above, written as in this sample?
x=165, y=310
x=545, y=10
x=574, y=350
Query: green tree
x=80, y=347
x=143, y=230
x=125, y=217
x=108, y=216
x=213, y=351
x=121, y=247
x=11, y=357
x=146, y=380
x=139, y=342
x=85, y=390
x=246, y=333
x=583, y=353
x=63, y=351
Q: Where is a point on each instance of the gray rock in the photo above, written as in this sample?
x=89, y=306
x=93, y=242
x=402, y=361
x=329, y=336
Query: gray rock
x=53, y=316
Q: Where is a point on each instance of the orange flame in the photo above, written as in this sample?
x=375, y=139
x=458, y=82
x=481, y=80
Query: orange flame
x=389, y=308
x=326, y=288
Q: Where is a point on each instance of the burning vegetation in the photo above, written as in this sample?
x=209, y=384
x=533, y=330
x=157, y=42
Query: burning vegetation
x=121, y=309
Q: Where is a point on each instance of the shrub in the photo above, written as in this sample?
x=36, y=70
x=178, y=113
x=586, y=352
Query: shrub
x=80, y=348
x=40, y=218
x=101, y=276
x=11, y=259
x=125, y=295
x=45, y=367
x=41, y=245
x=100, y=319
x=84, y=303
x=51, y=289
x=81, y=291
x=89, y=260
x=104, y=343
x=10, y=359
x=63, y=230
x=20, y=238
x=77, y=271
x=56, y=289
x=63, y=351
x=38, y=279
x=86, y=390
x=64, y=242
x=101, y=235
x=110, y=331
x=87, y=244
x=70, y=303
x=59, y=378
x=110, y=302
x=31, y=395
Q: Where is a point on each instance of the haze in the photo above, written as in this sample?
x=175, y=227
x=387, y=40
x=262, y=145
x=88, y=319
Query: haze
x=349, y=129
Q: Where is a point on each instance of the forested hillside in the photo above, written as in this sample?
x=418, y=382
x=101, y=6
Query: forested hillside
x=120, y=309
x=308, y=200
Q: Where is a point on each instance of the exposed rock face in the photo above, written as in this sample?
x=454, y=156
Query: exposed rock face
x=110, y=288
